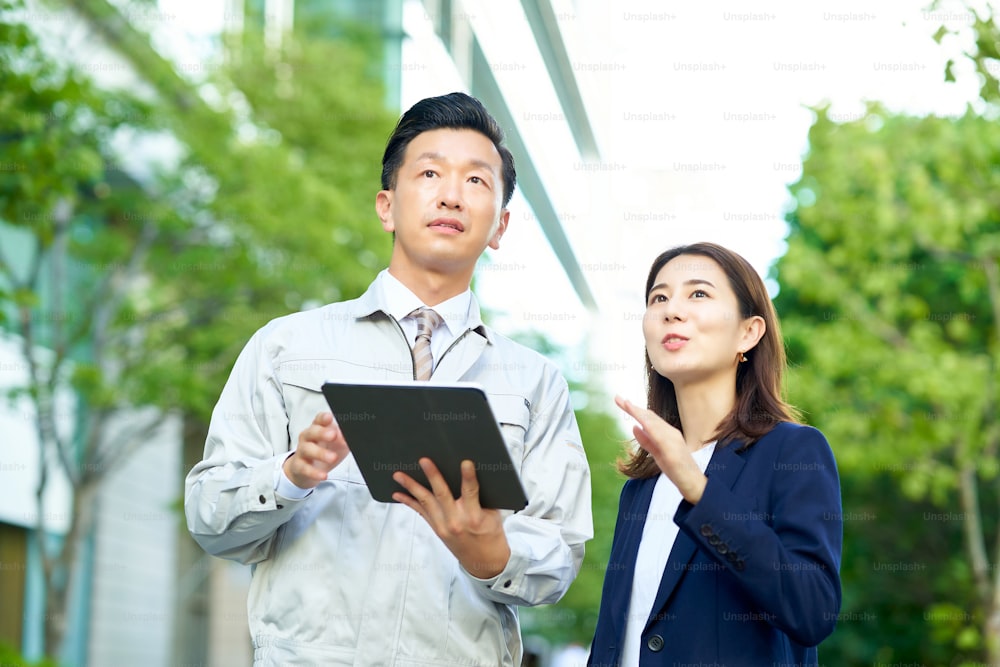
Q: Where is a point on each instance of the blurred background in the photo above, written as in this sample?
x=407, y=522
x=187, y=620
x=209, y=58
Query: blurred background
x=174, y=174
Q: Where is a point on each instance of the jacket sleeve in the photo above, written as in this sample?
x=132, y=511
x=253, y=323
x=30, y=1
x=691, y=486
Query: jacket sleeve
x=547, y=537
x=785, y=556
x=230, y=502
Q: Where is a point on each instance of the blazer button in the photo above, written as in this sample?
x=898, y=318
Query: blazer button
x=706, y=529
x=739, y=565
x=655, y=643
x=722, y=549
x=715, y=540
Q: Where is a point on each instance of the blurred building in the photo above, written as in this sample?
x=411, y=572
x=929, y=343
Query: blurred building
x=146, y=594
x=431, y=48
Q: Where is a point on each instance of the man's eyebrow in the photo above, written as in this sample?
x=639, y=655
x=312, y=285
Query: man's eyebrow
x=429, y=155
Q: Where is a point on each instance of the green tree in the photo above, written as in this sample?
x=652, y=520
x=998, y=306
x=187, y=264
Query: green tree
x=140, y=292
x=890, y=302
x=574, y=618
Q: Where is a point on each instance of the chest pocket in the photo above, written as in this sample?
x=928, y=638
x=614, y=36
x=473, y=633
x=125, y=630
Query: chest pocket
x=301, y=387
x=514, y=417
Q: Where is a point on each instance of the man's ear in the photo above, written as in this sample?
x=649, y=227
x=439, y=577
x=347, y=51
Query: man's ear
x=501, y=227
x=383, y=207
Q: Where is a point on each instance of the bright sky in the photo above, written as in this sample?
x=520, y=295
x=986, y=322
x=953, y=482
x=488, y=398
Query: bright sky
x=700, y=114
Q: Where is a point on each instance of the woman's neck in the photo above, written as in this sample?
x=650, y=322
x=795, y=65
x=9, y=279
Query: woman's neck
x=701, y=409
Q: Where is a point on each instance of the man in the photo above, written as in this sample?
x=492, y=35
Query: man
x=340, y=579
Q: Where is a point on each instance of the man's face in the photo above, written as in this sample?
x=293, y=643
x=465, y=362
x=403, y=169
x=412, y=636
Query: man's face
x=446, y=207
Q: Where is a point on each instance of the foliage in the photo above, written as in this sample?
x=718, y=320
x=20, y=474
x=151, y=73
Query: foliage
x=280, y=169
x=890, y=315
x=136, y=280
x=574, y=618
x=985, y=54
x=11, y=658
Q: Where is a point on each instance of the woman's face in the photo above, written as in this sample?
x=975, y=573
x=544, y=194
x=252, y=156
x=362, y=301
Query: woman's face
x=692, y=325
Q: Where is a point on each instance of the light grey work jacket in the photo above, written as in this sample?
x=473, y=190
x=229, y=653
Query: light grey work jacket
x=340, y=579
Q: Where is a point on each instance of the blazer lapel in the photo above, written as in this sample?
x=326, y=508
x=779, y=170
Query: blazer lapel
x=724, y=468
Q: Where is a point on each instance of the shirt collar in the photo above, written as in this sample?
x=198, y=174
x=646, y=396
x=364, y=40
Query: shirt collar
x=399, y=301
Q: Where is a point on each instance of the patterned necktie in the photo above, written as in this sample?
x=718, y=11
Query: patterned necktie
x=423, y=363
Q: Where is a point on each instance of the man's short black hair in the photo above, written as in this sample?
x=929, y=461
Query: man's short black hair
x=456, y=111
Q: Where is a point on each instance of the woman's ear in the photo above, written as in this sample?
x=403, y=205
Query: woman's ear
x=753, y=330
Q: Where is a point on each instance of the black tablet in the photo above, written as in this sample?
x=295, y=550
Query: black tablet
x=390, y=427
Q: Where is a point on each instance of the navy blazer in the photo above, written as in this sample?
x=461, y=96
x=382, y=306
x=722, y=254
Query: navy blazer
x=753, y=578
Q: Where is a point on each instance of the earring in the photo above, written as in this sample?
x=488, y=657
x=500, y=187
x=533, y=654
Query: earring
x=741, y=358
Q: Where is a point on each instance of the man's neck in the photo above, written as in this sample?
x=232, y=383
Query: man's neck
x=430, y=287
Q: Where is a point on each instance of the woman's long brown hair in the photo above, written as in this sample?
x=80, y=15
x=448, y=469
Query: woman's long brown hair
x=759, y=404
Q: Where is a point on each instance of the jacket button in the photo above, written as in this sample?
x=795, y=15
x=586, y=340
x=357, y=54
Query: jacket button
x=732, y=557
x=655, y=643
x=740, y=566
x=722, y=549
x=706, y=529
x=506, y=584
x=262, y=499
x=715, y=540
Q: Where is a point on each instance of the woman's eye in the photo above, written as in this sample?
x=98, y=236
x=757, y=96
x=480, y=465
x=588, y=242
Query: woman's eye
x=428, y=174
x=476, y=179
x=658, y=298
x=699, y=293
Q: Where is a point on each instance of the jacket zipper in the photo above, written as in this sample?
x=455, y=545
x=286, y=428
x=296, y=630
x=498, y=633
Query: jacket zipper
x=413, y=361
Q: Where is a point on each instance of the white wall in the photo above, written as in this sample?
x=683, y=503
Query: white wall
x=20, y=461
x=135, y=553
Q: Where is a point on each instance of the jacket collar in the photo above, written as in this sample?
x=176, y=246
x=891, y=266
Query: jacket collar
x=371, y=303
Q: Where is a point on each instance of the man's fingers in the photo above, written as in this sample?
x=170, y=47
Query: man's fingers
x=323, y=432
x=426, y=503
x=412, y=486
x=470, y=485
x=438, y=485
x=409, y=501
x=320, y=448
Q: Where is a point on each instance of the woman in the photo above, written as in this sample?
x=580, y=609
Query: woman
x=727, y=545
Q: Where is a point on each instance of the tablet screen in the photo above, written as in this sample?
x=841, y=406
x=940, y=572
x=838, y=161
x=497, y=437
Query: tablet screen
x=390, y=427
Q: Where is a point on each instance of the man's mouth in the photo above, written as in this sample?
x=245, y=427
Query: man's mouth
x=448, y=223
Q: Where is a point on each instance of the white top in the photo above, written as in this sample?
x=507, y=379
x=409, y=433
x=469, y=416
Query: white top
x=658, y=535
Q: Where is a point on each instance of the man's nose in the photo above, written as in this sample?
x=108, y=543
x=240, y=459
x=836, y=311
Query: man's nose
x=450, y=195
